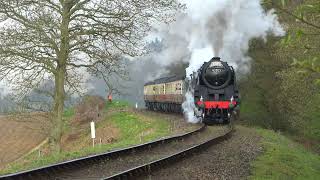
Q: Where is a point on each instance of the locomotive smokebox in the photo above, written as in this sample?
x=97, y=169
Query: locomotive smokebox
x=216, y=74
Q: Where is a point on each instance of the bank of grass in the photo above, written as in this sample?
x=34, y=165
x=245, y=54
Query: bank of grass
x=134, y=127
x=117, y=105
x=284, y=159
x=67, y=116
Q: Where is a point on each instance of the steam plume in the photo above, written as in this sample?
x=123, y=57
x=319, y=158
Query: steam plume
x=215, y=28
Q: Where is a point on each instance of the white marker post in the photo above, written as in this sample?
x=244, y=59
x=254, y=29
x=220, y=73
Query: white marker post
x=136, y=105
x=93, y=132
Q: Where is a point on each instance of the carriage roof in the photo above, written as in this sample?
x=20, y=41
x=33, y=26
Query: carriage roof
x=165, y=80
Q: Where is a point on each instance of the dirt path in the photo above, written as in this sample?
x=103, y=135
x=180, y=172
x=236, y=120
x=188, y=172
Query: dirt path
x=19, y=135
x=228, y=160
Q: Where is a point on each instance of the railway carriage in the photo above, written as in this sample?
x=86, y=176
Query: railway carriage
x=165, y=94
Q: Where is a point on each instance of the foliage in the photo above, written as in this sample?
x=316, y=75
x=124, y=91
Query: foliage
x=253, y=109
x=307, y=17
x=298, y=95
x=282, y=92
x=298, y=100
x=284, y=159
x=260, y=87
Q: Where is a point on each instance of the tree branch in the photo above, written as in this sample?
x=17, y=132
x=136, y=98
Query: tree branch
x=295, y=16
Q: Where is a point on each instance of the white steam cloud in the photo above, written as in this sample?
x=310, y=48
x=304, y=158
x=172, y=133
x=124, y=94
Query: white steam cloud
x=215, y=28
x=188, y=107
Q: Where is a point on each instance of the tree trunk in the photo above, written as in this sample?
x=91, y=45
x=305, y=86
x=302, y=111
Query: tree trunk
x=58, y=111
x=60, y=77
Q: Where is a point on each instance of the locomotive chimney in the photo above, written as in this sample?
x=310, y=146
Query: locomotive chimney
x=216, y=59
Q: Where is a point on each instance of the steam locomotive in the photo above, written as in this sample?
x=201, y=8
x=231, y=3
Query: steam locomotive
x=215, y=93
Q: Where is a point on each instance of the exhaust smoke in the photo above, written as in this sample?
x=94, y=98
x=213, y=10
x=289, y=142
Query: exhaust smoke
x=215, y=28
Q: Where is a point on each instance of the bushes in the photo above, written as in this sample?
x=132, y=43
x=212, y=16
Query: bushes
x=299, y=103
x=278, y=93
x=89, y=109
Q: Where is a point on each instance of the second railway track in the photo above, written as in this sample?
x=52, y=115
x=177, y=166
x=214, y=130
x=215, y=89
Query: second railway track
x=129, y=162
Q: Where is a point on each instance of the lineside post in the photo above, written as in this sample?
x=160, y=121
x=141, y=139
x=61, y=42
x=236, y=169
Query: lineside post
x=93, y=132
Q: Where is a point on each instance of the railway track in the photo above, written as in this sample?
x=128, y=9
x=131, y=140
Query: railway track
x=87, y=168
x=46, y=171
x=148, y=168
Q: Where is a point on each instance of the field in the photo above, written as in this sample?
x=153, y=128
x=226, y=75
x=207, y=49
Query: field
x=20, y=134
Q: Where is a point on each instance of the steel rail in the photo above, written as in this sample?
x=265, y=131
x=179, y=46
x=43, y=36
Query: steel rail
x=38, y=173
x=158, y=164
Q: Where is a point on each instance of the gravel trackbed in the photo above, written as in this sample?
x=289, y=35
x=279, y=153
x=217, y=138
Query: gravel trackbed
x=228, y=160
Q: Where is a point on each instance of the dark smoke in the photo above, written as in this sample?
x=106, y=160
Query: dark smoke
x=217, y=25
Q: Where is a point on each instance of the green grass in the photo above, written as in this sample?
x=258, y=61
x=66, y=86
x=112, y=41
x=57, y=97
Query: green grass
x=117, y=104
x=284, y=159
x=134, y=129
x=312, y=121
x=68, y=113
x=131, y=128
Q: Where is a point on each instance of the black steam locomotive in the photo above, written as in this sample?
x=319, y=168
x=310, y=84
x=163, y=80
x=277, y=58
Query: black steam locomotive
x=216, y=94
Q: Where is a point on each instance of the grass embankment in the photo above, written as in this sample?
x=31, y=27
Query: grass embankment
x=284, y=159
x=134, y=128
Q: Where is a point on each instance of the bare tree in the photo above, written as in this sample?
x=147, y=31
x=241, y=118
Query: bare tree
x=114, y=77
x=59, y=39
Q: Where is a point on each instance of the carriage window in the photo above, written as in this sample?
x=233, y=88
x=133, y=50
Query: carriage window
x=154, y=90
x=178, y=86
